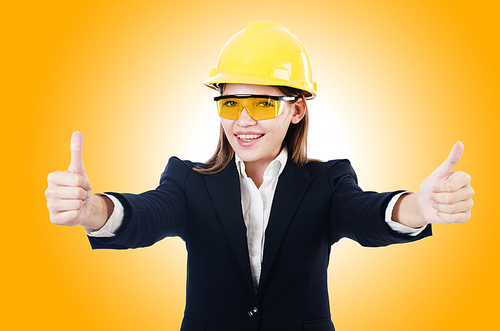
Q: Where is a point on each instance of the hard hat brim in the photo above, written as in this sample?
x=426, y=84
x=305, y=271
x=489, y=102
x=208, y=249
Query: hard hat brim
x=256, y=79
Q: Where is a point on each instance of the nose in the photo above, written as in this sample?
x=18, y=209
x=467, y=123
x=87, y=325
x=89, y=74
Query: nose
x=245, y=119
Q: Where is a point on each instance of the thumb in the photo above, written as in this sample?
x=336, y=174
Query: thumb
x=446, y=168
x=76, y=165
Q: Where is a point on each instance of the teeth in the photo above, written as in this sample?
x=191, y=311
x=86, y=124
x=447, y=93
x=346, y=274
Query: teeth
x=249, y=136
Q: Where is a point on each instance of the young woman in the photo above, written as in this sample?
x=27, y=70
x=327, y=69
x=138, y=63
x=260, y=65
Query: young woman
x=259, y=217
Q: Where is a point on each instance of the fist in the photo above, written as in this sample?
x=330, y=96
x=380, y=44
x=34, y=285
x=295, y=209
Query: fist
x=69, y=195
x=446, y=196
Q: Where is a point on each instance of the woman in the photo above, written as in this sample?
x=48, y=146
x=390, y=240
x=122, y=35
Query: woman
x=258, y=218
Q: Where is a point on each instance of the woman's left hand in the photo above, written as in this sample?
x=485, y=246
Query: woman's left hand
x=446, y=196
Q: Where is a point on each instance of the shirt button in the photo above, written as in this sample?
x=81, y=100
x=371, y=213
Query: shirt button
x=263, y=200
x=256, y=226
x=253, y=253
x=253, y=312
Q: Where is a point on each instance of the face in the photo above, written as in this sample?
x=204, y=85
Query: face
x=259, y=142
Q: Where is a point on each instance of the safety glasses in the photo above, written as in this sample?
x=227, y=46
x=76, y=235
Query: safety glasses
x=259, y=107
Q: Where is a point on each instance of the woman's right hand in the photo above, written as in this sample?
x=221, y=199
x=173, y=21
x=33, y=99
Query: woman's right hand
x=69, y=194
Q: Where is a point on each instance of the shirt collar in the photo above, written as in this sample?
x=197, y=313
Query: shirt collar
x=275, y=168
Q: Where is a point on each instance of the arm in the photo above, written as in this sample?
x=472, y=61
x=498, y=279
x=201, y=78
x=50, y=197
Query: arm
x=361, y=215
x=149, y=216
x=445, y=196
x=153, y=215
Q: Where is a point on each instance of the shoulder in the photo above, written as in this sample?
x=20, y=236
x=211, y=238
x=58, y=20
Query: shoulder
x=332, y=168
x=178, y=170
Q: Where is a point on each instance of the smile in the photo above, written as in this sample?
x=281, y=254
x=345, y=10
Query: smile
x=248, y=136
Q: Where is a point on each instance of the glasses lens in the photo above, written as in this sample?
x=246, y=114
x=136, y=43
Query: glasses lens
x=265, y=108
x=257, y=108
x=229, y=108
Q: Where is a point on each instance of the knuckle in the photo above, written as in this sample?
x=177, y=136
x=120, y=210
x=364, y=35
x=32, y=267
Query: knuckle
x=447, y=197
x=51, y=177
x=68, y=192
x=77, y=192
x=444, y=218
x=50, y=205
x=78, y=180
x=469, y=215
x=450, y=219
x=50, y=192
x=468, y=177
x=79, y=204
x=66, y=218
x=55, y=218
x=55, y=177
x=83, y=194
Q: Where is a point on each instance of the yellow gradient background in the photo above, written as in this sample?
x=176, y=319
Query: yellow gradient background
x=399, y=82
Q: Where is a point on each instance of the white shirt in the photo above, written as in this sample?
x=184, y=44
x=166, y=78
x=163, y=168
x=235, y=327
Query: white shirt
x=256, y=207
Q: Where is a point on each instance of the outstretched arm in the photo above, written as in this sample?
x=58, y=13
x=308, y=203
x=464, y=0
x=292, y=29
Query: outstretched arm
x=445, y=196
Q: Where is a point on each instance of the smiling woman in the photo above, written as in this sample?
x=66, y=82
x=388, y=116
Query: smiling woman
x=296, y=137
x=258, y=218
x=257, y=143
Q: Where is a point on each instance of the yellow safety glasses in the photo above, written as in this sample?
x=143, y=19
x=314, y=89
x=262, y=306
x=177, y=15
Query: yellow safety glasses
x=259, y=107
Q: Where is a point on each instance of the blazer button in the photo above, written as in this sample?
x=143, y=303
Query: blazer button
x=253, y=312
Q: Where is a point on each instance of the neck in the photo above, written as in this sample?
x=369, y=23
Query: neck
x=255, y=170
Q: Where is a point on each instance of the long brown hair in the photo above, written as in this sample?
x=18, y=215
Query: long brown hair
x=295, y=140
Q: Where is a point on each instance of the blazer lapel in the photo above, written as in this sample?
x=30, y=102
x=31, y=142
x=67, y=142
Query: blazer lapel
x=225, y=193
x=292, y=185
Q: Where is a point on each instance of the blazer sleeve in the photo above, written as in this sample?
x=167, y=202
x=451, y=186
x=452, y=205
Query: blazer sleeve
x=360, y=215
x=152, y=215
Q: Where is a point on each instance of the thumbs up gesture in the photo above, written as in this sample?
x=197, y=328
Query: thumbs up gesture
x=446, y=196
x=69, y=195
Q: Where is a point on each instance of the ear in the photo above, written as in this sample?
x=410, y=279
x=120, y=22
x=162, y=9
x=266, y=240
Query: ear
x=299, y=110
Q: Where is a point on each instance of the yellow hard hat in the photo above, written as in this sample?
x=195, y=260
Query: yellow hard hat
x=265, y=53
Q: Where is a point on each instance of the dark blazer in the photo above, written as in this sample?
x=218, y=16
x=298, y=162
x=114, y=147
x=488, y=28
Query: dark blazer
x=313, y=207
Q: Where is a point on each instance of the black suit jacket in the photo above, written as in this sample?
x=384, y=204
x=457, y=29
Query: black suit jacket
x=313, y=207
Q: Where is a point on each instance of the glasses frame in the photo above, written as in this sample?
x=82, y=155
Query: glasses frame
x=248, y=96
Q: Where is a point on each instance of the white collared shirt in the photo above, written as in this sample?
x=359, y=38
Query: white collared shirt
x=256, y=207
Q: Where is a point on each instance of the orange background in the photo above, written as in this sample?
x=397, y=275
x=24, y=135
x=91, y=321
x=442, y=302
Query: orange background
x=399, y=83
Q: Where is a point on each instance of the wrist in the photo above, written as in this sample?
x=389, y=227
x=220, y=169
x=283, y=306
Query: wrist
x=100, y=211
x=407, y=211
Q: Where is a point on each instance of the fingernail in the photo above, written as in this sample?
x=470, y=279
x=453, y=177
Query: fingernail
x=434, y=206
x=433, y=189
